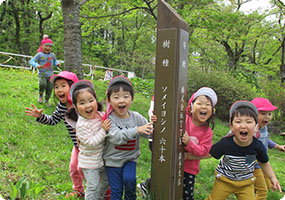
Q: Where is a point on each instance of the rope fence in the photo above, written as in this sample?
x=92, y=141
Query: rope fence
x=19, y=61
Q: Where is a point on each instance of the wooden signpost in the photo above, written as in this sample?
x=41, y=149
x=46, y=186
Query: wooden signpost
x=170, y=103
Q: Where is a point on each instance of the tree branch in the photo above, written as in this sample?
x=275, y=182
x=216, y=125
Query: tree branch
x=82, y=2
x=117, y=14
x=268, y=61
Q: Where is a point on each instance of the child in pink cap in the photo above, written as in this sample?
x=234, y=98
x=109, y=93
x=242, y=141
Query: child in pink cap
x=198, y=136
x=265, y=108
x=62, y=83
x=44, y=61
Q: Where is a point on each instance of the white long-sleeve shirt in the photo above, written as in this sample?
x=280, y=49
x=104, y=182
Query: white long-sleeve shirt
x=92, y=139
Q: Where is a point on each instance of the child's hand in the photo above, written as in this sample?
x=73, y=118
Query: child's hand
x=280, y=147
x=275, y=185
x=34, y=112
x=146, y=129
x=58, y=64
x=78, y=141
x=106, y=124
x=39, y=66
x=153, y=119
x=185, y=138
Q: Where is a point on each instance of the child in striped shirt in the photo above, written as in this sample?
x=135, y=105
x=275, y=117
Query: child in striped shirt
x=62, y=83
x=239, y=152
x=91, y=132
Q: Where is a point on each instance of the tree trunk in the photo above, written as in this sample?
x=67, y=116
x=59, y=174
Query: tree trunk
x=72, y=37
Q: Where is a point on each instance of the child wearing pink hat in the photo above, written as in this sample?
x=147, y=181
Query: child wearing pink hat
x=198, y=136
x=265, y=108
x=62, y=83
x=44, y=61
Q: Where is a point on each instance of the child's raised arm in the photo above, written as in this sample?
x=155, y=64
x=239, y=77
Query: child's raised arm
x=34, y=111
x=280, y=147
x=267, y=170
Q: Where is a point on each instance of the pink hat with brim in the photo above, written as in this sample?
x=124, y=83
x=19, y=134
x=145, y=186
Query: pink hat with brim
x=263, y=104
x=66, y=75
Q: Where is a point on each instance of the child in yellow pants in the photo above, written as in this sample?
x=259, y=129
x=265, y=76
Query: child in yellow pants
x=239, y=152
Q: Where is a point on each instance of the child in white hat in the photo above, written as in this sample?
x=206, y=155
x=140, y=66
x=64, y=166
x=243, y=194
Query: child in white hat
x=198, y=136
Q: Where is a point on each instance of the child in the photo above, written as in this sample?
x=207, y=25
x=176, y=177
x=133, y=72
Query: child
x=198, y=136
x=91, y=132
x=62, y=83
x=44, y=61
x=234, y=173
x=122, y=144
x=265, y=109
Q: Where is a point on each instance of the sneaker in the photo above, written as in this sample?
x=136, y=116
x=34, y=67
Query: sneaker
x=75, y=194
x=143, y=189
x=40, y=99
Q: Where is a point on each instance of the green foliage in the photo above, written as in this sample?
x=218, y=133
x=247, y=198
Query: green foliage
x=227, y=88
x=36, y=157
x=20, y=189
x=276, y=95
x=143, y=86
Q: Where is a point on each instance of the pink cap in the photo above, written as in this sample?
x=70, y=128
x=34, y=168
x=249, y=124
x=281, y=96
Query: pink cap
x=66, y=75
x=263, y=104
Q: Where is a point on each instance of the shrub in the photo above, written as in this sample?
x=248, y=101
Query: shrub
x=143, y=86
x=227, y=88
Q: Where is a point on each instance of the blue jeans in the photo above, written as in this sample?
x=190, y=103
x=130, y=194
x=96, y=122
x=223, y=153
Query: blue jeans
x=122, y=178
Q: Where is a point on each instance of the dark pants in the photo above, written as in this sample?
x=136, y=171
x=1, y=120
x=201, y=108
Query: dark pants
x=45, y=86
x=188, y=187
x=122, y=178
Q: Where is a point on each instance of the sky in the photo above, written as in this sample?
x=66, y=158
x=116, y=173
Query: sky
x=254, y=5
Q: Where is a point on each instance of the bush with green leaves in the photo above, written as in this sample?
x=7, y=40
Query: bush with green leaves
x=143, y=86
x=227, y=88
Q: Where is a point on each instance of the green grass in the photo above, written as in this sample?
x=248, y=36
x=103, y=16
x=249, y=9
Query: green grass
x=42, y=153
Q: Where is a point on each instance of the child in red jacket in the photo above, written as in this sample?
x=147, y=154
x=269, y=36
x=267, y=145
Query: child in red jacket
x=198, y=136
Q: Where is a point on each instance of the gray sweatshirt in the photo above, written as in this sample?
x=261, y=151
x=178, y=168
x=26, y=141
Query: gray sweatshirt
x=122, y=142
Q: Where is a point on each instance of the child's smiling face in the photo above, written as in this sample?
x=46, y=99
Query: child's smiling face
x=46, y=49
x=243, y=128
x=202, y=110
x=121, y=102
x=61, y=90
x=263, y=118
x=86, y=104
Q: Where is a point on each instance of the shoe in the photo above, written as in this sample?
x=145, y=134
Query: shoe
x=40, y=99
x=143, y=189
x=75, y=194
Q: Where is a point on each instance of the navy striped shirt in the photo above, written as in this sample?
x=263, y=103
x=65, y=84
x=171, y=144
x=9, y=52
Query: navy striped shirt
x=56, y=117
x=238, y=162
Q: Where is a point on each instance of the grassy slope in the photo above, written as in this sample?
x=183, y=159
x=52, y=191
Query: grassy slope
x=41, y=153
